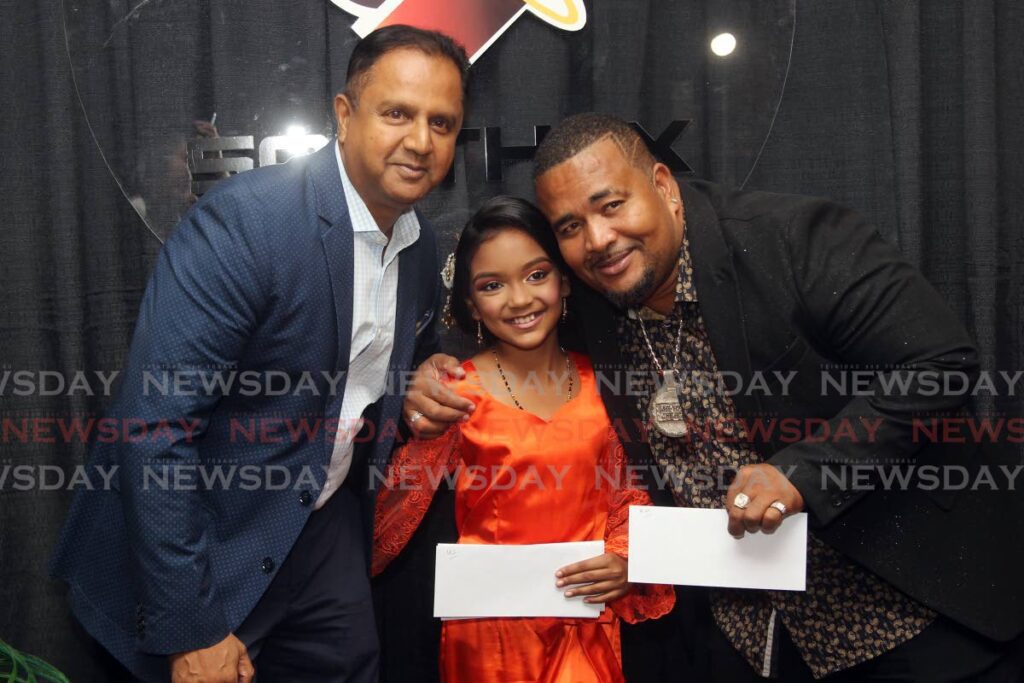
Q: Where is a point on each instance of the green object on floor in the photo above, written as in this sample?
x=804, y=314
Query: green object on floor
x=18, y=667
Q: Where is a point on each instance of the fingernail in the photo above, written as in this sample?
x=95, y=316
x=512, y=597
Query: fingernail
x=559, y=573
x=569, y=594
x=559, y=583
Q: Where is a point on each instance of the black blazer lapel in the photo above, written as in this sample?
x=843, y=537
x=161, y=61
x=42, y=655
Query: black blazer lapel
x=718, y=293
x=599, y=326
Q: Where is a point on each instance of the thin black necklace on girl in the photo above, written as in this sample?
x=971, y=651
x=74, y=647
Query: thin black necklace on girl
x=568, y=371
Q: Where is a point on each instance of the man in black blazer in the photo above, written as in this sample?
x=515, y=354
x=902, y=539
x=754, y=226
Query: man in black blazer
x=765, y=310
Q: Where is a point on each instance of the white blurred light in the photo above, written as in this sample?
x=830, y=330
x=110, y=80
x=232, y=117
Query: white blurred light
x=723, y=44
x=295, y=141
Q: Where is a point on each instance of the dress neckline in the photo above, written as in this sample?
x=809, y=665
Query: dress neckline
x=582, y=371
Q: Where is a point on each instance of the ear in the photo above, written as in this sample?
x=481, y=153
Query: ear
x=666, y=185
x=472, y=309
x=343, y=110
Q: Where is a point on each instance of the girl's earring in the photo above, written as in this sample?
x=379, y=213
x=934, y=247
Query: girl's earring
x=565, y=310
x=446, y=313
x=479, y=334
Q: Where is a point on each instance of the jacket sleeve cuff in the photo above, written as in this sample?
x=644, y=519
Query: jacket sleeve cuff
x=825, y=497
x=191, y=628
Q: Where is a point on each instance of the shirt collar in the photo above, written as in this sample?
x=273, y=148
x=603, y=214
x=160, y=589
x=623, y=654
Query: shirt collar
x=686, y=290
x=407, y=227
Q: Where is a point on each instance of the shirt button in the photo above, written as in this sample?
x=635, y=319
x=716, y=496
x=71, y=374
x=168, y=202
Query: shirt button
x=305, y=498
x=837, y=501
x=267, y=565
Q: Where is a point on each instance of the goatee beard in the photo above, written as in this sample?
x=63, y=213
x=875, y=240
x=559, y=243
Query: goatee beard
x=635, y=295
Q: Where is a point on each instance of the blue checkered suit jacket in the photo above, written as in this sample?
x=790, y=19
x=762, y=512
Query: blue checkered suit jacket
x=257, y=277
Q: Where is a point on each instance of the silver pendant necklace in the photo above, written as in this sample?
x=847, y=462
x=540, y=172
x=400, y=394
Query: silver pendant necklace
x=665, y=411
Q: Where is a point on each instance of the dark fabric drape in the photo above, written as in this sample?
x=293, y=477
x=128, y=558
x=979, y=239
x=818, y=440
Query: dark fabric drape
x=954, y=80
x=73, y=262
x=909, y=111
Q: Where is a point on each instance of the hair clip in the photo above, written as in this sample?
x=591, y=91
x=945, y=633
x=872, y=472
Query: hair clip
x=448, y=272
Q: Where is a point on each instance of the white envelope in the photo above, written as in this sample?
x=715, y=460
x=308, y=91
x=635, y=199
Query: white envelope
x=691, y=547
x=474, y=580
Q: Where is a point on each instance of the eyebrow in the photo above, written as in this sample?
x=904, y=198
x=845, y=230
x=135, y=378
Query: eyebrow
x=387, y=105
x=531, y=264
x=592, y=199
x=598, y=196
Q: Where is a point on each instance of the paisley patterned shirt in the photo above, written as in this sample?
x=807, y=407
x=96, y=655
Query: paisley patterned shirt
x=847, y=615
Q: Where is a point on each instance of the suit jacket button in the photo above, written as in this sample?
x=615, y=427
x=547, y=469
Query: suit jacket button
x=837, y=501
x=267, y=565
x=305, y=498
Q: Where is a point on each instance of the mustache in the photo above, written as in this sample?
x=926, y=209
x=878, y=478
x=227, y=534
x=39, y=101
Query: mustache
x=605, y=256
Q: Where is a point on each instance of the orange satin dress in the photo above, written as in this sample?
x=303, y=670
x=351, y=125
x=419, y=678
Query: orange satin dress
x=521, y=480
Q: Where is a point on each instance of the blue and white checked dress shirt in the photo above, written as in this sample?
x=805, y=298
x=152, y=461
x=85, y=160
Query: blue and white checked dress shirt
x=374, y=301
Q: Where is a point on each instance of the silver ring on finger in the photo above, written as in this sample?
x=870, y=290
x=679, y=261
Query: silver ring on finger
x=741, y=501
x=414, y=415
x=780, y=506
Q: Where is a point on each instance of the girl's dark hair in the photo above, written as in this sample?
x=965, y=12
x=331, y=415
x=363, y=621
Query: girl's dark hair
x=494, y=216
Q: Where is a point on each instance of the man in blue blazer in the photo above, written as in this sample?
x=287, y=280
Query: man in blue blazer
x=261, y=391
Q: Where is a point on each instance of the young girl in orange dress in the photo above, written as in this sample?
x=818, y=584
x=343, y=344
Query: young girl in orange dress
x=537, y=462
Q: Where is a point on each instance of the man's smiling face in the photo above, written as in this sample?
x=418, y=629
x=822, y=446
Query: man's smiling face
x=398, y=137
x=617, y=226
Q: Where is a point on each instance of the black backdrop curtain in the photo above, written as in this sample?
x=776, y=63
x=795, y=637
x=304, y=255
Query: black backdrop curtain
x=909, y=111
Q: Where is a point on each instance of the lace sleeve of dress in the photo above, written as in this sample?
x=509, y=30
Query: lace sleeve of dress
x=415, y=472
x=644, y=600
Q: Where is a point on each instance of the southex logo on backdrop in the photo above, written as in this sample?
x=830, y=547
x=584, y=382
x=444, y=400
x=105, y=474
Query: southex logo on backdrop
x=476, y=24
x=211, y=160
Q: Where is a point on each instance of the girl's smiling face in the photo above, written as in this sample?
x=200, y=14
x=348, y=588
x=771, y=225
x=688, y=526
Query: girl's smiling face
x=515, y=290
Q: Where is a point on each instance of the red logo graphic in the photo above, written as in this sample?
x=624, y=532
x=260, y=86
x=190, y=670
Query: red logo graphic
x=474, y=23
